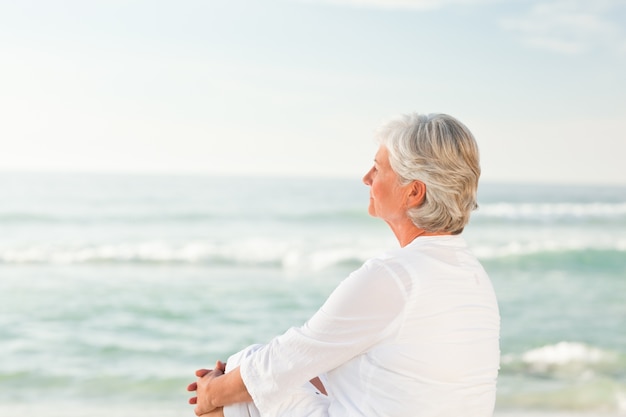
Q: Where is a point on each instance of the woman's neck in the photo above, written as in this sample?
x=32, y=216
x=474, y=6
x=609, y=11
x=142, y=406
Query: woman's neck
x=406, y=232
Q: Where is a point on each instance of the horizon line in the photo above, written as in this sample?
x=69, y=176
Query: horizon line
x=278, y=175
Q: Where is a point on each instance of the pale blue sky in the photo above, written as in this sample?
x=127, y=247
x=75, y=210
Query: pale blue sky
x=297, y=87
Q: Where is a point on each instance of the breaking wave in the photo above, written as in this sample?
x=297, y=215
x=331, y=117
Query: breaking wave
x=552, y=211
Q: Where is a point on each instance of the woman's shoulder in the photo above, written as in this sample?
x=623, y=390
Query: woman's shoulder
x=396, y=265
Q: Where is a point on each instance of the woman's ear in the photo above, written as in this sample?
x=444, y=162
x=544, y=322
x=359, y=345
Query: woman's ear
x=417, y=194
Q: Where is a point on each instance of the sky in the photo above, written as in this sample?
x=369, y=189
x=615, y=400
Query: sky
x=298, y=87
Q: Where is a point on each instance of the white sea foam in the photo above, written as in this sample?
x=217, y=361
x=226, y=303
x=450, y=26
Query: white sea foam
x=287, y=253
x=563, y=358
x=552, y=210
x=578, y=376
x=253, y=251
x=563, y=353
x=520, y=248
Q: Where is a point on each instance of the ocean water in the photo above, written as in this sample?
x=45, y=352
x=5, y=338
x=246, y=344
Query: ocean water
x=115, y=288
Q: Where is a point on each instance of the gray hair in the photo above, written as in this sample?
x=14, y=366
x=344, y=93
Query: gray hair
x=439, y=151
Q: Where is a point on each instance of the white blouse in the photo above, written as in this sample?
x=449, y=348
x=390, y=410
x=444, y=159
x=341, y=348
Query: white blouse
x=414, y=332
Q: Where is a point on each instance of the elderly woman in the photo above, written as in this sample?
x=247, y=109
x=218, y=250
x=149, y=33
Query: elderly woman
x=413, y=332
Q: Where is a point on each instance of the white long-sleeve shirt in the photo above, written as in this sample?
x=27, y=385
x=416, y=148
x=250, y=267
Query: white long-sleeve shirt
x=414, y=332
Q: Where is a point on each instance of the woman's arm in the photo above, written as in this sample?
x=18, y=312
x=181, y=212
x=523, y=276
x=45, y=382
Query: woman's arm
x=215, y=389
x=359, y=313
x=356, y=316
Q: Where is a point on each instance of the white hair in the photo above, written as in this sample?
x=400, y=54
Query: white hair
x=441, y=152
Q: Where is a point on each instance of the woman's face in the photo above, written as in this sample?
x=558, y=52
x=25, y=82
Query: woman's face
x=388, y=199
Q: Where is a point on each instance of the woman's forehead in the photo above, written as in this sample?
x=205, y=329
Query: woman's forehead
x=382, y=155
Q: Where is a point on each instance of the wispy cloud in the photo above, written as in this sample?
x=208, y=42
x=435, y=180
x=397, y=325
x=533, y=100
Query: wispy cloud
x=564, y=26
x=569, y=26
x=406, y=4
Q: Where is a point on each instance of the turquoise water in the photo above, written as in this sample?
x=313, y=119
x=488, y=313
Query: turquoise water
x=114, y=289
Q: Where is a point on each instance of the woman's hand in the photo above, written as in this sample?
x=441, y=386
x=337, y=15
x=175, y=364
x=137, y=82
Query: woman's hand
x=202, y=400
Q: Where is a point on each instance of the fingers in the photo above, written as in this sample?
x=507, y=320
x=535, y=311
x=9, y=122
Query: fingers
x=200, y=373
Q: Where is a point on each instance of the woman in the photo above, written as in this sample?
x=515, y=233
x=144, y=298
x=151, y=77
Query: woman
x=413, y=332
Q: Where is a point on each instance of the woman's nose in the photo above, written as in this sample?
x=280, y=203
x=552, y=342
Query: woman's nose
x=367, y=179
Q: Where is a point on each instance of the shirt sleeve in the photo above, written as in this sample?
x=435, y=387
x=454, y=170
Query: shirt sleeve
x=357, y=315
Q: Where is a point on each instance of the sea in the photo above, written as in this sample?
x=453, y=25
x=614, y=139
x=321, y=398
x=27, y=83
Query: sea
x=115, y=288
